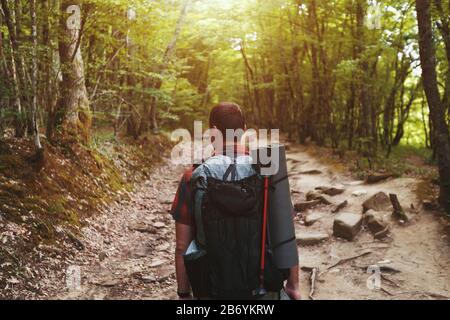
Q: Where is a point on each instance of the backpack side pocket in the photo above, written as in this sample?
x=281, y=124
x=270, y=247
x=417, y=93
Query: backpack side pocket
x=197, y=267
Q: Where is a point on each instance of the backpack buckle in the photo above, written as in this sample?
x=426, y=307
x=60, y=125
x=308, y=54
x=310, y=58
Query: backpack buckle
x=259, y=292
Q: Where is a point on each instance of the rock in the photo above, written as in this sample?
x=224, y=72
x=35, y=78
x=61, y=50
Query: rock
x=325, y=200
x=429, y=205
x=381, y=234
x=340, y=206
x=398, y=212
x=148, y=278
x=307, y=268
x=354, y=183
x=378, y=202
x=310, y=196
x=359, y=193
x=142, y=227
x=108, y=282
x=156, y=263
x=293, y=160
x=140, y=252
x=102, y=256
x=375, y=221
x=159, y=225
x=312, y=218
x=347, y=225
x=168, y=200
x=331, y=191
x=303, y=206
x=310, y=238
x=311, y=172
x=164, y=247
x=165, y=273
x=375, y=178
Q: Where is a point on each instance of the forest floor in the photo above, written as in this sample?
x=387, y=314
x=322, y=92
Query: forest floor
x=128, y=250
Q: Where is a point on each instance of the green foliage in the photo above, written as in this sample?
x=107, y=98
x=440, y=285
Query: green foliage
x=304, y=67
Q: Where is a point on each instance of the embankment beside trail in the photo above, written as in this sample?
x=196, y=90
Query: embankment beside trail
x=43, y=209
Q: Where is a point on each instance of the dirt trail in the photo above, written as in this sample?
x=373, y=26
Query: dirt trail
x=418, y=250
x=129, y=249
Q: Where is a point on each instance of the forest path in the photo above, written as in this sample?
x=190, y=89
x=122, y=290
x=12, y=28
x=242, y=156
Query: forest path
x=129, y=249
x=414, y=258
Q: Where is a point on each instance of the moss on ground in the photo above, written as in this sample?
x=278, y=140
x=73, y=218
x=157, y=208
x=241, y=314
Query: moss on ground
x=73, y=184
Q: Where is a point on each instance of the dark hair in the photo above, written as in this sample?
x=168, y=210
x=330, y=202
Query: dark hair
x=227, y=115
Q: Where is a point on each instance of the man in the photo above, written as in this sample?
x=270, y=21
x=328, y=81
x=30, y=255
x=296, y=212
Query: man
x=225, y=116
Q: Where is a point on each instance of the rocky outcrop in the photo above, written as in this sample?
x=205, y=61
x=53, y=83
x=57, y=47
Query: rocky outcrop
x=378, y=202
x=305, y=205
x=347, y=225
x=310, y=238
x=312, y=218
x=331, y=191
x=376, y=223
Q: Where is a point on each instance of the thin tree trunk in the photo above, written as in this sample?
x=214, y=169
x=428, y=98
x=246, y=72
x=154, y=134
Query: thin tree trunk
x=403, y=116
x=426, y=130
x=34, y=74
x=168, y=55
x=18, y=116
x=47, y=73
x=365, y=129
x=251, y=77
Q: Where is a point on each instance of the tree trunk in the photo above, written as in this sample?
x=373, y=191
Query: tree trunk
x=170, y=51
x=403, y=116
x=18, y=116
x=444, y=28
x=75, y=103
x=251, y=82
x=34, y=74
x=365, y=128
x=47, y=71
x=437, y=112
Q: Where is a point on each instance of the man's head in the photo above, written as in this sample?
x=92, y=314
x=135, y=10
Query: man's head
x=227, y=115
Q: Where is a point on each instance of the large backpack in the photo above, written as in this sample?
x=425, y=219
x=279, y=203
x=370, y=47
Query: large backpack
x=228, y=215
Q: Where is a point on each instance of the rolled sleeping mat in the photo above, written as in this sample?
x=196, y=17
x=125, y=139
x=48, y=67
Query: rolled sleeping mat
x=281, y=230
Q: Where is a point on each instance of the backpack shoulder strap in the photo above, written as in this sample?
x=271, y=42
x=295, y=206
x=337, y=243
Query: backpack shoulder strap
x=199, y=192
x=232, y=169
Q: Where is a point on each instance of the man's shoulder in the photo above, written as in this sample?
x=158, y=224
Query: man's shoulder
x=187, y=174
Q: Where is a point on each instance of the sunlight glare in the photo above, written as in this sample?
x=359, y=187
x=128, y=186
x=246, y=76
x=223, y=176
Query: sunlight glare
x=222, y=5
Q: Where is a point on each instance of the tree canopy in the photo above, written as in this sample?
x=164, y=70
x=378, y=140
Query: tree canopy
x=342, y=73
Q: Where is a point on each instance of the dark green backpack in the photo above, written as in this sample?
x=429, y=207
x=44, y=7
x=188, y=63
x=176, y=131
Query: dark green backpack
x=228, y=217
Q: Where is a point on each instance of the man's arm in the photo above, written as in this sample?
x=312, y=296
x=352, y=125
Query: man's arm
x=183, y=239
x=292, y=285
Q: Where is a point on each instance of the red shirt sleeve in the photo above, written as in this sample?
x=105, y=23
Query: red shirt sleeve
x=182, y=207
